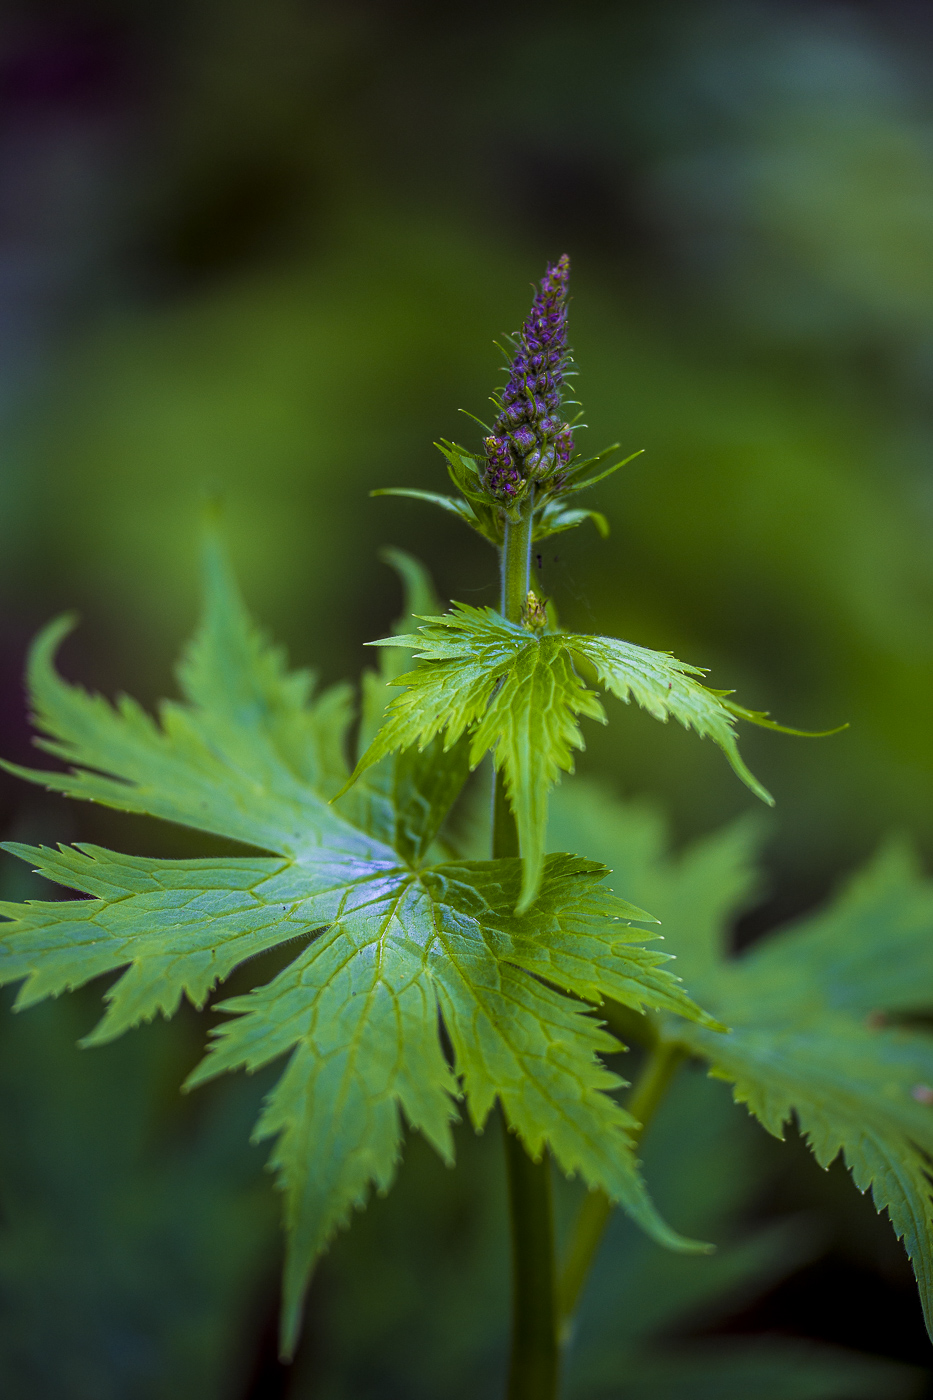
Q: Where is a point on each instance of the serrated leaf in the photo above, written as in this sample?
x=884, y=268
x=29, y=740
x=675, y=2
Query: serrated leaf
x=518, y=696
x=360, y=1004
x=250, y=756
x=665, y=688
x=813, y=1011
x=404, y=800
x=384, y=941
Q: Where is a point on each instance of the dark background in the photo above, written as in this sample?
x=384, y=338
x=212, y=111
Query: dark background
x=264, y=249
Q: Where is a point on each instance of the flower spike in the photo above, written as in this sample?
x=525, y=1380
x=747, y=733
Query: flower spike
x=529, y=450
x=530, y=442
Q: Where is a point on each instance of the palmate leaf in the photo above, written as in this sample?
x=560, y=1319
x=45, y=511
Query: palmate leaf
x=817, y=1012
x=387, y=933
x=517, y=694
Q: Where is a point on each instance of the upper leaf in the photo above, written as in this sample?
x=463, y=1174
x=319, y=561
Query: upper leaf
x=387, y=933
x=552, y=510
x=816, y=1010
x=518, y=695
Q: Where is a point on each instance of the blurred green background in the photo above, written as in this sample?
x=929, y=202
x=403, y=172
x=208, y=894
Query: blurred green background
x=264, y=249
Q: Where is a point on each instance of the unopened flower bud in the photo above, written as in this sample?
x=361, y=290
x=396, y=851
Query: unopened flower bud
x=534, y=612
x=539, y=464
x=522, y=449
x=563, y=444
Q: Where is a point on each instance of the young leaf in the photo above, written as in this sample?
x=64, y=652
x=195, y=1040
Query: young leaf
x=554, y=519
x=576, y=469
x=388, y=939
x=517, y=694
x=816, y=1011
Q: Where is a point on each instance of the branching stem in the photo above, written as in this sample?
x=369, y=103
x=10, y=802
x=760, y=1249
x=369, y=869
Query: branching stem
x=650, y=1087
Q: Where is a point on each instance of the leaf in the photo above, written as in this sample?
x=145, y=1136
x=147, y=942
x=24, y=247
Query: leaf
x=554, y=519
x=575, y=485
x=664, y=687
x=763, y=720
x=460, y=508
x=250, y=756
x=136, y=1235
x=518, y=695
x=383, y=939
x=404, y=800
x=465, y=473
x=814, y=1012
x=704, y=1160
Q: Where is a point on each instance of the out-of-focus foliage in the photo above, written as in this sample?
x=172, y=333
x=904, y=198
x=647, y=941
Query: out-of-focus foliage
x=818, y=1013
x=137, y=1237
x=643, y=1313
x=138, y=1240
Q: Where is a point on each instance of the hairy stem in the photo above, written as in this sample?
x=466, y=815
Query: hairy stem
x=533, y=1366
x=515, y=562
x=659, y=1068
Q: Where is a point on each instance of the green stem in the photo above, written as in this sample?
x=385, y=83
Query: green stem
x=535, y=1358
x=515, y=562
x=658, y=1071
x=534, y=1362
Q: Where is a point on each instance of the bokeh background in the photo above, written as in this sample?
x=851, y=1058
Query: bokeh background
x=264, y=250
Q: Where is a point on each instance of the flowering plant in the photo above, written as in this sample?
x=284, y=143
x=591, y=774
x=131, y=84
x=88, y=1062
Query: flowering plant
x=424, y=978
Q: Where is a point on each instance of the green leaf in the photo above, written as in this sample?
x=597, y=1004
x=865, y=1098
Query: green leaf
x=764, y=721
x=251, y=756
x=383, y=940
x=554, y=519
x=816, y=1011
x=575, y=485
x=518, y=695
x=460, y=508
x=665, y=688
x=704, y=1160
x=466, y=475
x=404, y=800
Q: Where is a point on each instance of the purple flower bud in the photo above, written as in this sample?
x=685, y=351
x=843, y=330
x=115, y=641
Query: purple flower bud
x=539, y=464
x=530, y=440
x=497, y=453
x=564, y=445
x=504, y=484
